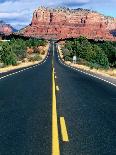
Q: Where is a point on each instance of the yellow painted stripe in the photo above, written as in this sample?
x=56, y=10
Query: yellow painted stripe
x=55, y=137
x=55, y=77
x=57, y=88
x=64, y=130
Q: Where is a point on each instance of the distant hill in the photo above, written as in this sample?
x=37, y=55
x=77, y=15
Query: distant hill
x=6, y=28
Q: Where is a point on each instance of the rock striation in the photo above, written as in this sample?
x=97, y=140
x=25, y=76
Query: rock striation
x=64, y=23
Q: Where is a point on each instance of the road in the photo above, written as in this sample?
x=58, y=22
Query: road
x=87, y=105
x=25, y=112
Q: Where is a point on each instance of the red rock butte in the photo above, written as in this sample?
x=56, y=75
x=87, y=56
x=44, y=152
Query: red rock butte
x=6, y=29
x=66, y=23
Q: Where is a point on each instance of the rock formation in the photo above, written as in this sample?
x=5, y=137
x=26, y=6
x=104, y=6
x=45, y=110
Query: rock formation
x=65, y=23
x=6, y=28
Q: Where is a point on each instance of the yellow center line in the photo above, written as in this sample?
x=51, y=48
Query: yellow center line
x=64, y=130
x=57, y=88
x=55, y=137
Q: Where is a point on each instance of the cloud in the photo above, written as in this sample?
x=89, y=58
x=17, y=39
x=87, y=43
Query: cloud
x=65, y=3
x=75, y=3
x=19, y=12
x=2, y=1
x=12, y=15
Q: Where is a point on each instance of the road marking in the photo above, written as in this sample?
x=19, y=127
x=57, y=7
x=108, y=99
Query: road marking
x=57, y=88
x=8, y=75
x=64, y=130
x=84, y=72
x=55, y=137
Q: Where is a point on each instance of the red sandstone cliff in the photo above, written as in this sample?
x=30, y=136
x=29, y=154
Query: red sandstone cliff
x=65, y=23
x=5, y=28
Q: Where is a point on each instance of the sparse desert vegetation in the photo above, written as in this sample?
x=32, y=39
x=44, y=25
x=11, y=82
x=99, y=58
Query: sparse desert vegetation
x=18, y=51
x=91, y=54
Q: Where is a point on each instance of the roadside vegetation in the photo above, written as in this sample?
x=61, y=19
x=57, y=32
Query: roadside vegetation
x=16, y=51
x=90, y=53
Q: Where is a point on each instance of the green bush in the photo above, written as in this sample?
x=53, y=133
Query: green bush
x=33, y=42
x=16, y=50
x=110, y=50
x=91, y=53
x=67, y=58
x=7, y=55
x=100, y=57
x=35, y=58
x=66, y=52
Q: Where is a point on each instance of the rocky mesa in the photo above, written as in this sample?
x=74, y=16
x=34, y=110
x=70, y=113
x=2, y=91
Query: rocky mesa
x=64, y=23
x=6, y=28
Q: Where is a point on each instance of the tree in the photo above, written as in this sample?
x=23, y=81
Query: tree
x=110, y=50
x=66, y=54
x=7, y=55
x=89, y=52
x=100, y=57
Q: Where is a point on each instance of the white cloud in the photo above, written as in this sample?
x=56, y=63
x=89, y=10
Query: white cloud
x=14, y=11
x=12, y=15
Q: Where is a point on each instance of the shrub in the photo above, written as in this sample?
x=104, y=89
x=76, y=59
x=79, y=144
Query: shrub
x=109, y=49
x=19, y=48
x=33, y=42
x=66, y=53
x=93, y=54
x=67, y=58
x=36, y=50
x=35, y=58
x=100, y=57
x=43, y=52
x=7, y=55
x=16, y=50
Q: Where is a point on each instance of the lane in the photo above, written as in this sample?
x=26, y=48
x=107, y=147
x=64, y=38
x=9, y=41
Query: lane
x=89, y=108
x=25, y=112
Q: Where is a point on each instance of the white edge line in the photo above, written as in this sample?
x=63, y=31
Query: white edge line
x=25, y=69
x=85, y=72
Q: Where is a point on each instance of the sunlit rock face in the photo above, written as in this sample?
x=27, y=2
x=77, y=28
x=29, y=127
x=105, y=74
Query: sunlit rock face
x=65, y=23
x=5, y=28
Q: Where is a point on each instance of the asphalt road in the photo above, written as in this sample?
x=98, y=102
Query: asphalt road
x=25, y=112
x=87, y=104
x=89, y=108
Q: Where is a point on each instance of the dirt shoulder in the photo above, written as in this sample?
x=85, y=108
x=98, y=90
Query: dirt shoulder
x=111, y=73
x=25, y=64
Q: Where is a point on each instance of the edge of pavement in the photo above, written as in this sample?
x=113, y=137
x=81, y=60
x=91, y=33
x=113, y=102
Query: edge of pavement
x=24, y=65
x=18, y=70
x=109, y=80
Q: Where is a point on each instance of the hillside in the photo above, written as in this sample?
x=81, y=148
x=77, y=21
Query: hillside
x=66, y=23
x=6, y=28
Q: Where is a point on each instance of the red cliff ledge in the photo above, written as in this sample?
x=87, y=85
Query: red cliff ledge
x=65, y=23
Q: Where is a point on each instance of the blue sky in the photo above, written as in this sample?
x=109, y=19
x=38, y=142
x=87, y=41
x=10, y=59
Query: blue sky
x=18, y=13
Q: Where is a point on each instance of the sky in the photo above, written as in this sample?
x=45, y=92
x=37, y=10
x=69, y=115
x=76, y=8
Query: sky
x=18, y=13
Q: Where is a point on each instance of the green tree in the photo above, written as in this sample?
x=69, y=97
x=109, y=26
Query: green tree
x=7, y=55
x=110, y=50
x=91, y=52
x=100, y=57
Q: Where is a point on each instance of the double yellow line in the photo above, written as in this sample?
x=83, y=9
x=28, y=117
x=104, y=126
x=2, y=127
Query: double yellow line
x=55, y=137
